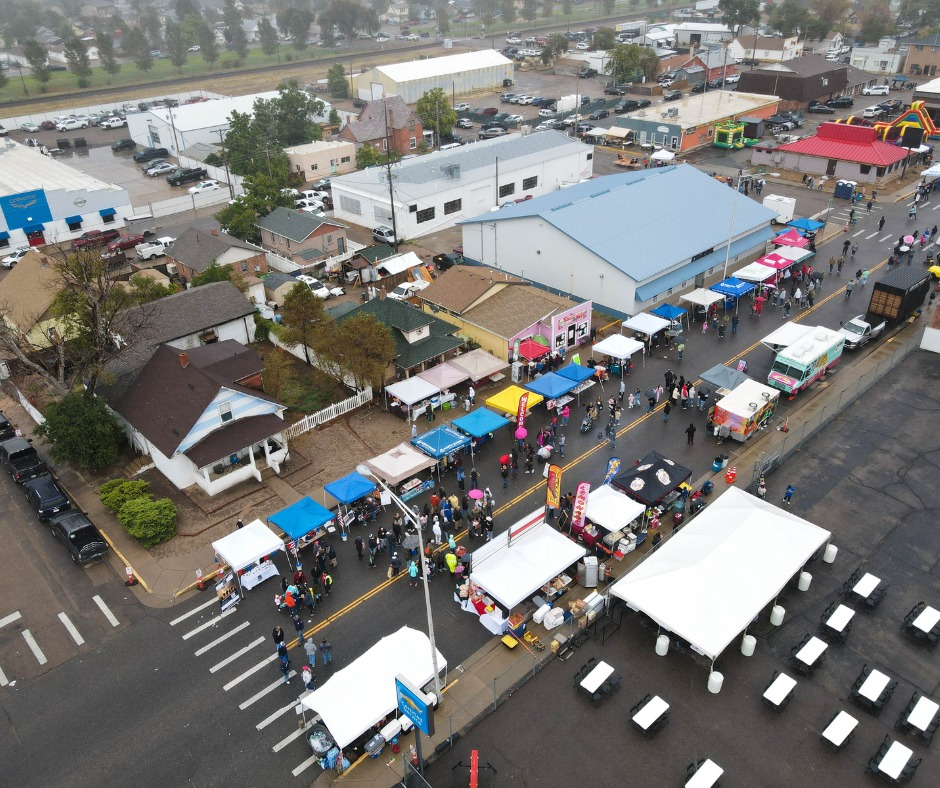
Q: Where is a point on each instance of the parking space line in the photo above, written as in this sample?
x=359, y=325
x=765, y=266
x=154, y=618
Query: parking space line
x=34, y=647
x=935, y=207
x=299, y=732
x=268, y=720
x=79, y=640
x=855, y=235
x=305, y=765
x=236, y=655
x=10, y=618
x=107, y=613
x=193, y=612
x=3, y=678
x=237, y=680
x=869, y=237
x=218, y=640
x=882, y=240
x=210, y=623
x=270, y=688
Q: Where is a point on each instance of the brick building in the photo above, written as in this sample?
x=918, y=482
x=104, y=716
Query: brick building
x=402, y=133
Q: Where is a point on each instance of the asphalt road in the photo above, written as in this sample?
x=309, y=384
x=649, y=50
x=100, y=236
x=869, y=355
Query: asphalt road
x=137, y=703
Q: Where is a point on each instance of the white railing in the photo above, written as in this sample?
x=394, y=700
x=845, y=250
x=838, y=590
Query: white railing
x=314, y=420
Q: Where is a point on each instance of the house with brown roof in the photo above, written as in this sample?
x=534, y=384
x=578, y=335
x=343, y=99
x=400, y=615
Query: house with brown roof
x=26, y=296
x=196, y=249
x=496, y=310
x=797, y=82
x=202, y=417
x=766, y=48
x=388, y=124
x=306, y=239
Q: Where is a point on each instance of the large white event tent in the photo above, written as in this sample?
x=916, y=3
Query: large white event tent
x=611, y=509
x=709, y=581
x=479, y=364
x=412, y=390
x=620, y=347
x=514, y=565
x=396, y=465
x=245, y=546
x=444, y=375
x=359, y=696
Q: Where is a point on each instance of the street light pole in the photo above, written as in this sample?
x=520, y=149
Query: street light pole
x=412, y=518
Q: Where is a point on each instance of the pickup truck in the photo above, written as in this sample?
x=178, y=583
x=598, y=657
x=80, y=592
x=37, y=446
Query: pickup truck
x=153, y=249
x=186, y=175
x=858, y=332
x=21, y=460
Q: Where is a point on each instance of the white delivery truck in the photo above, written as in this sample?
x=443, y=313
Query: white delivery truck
x=798, y=365
x=151, y=250
x=784, y=206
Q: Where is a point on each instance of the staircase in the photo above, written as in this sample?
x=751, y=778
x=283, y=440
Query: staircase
x=138, y=466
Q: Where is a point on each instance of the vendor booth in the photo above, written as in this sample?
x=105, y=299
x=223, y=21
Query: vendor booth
x=740, y=413
x=304, y=521
x=788, y=334
x=444, y=375
x=534, y=348
x=733, y=287
x=655, y=480
x=710, y=580
x=701, y=299
x=507, y=401
x=249, y=551
x=583, y=376
x=359, y=697
x=401, y=466
x=619, y=347
x=807, y=225
x=441, y=442
x=479, y=424
x=673, y=314
x=410, y=398
x=790, y=237
x=724, y=379
x=529, y=559
x=479, y=364
x=612, y=520
x=350, y=489
x=552, y=385
x=794, y=254
x=758, y=273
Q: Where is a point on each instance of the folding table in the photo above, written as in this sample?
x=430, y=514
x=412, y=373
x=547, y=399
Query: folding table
x=922, y=714
x=778, y=692
x=706, y=775
x=866, y=586
x=838, y=731
x=895, y=759
x=927, y=620
x=651, y=713
x=873, y=686
x=593, y=680
x=840, y=619
x=811, y=653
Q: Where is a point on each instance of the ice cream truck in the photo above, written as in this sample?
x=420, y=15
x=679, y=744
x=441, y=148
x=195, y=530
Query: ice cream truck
x=806, y=360
x=740, y=413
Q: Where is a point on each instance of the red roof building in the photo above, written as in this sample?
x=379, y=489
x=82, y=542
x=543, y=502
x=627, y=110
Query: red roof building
x=839, y=151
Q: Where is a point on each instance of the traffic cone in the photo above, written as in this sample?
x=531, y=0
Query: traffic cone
x=731, y=474
x=131, y=580
x=202, y=584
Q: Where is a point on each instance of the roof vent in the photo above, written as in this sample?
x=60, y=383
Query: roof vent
x=184, y=360
x=563, y=205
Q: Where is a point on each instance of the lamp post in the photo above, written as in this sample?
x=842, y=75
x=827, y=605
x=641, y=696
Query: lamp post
x=411, y=518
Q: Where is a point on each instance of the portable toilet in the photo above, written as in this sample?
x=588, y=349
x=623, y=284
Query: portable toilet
x=845, y=190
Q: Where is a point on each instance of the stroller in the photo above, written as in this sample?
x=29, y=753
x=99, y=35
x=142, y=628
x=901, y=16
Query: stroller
x=587, y=423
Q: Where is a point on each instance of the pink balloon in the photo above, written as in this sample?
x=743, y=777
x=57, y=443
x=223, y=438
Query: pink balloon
x=521, y=433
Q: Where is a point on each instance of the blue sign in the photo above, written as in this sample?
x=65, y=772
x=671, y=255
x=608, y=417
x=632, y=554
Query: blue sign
x=25, y=209
x=412, y=704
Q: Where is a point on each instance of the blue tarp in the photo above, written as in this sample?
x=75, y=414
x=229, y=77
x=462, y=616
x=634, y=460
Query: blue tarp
x=301, y=518
x=551, y=385
x=733, y=287
x=480, y=422
x=810, y=225
x=350, y=488
x=576, y=372
x=440, y=442
x=668, y=312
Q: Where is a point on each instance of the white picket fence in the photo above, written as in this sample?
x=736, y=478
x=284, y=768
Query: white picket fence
x=314, y=420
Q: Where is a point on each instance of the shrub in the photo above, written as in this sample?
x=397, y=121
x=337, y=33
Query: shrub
x=117, y=492
x=148, y=521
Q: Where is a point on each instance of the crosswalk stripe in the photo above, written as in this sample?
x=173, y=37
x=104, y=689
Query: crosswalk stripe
x=305, y=765
x=882, y=240
x=79, y=640
x=236, y=655
x=855, y=235
x=210, y=623
x=268, y=720
x=238, y=679
x=935, y=207
x=107, y=612
x=270, y=688
x=34, y=647
x=10, y=618
x=218, y=640
x=869, y=237
x=193, y=612
x=299, y=732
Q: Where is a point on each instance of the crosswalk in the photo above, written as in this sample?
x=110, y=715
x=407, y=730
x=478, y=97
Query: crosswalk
x=48, y=645
x=866, y=224
x=229, y=647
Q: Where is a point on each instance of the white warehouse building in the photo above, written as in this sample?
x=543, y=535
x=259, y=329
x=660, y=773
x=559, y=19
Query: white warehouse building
x=436, y=191
x=470, y=72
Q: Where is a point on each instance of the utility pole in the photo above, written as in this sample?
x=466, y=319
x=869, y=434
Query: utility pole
x=228, y=176
x=388, y=176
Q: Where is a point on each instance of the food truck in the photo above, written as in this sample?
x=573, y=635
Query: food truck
x=740, y=413
x=806, y=360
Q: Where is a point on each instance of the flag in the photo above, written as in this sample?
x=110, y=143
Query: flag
x=520, y=413
x=553, y=489
x=613, y=468
x=580, y=504
x=576, y=359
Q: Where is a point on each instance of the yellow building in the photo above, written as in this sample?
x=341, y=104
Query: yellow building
x=26, y=296
x=322, y=159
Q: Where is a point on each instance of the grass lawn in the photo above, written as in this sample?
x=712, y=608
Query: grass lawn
x=308, y=389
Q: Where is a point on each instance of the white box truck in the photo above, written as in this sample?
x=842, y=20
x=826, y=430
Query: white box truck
x=784, y=206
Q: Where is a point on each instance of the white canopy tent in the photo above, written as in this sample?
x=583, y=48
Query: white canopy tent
x=412, y=390
x=702, y=297
x=357, y=697
x=399, y=263
x=620, y=347
x=931, y=172
x=479, y=364
x=611, y=509
x=512, y=566
x=444, y=375
x=786, y=335
x=615, y=132
x=399, y=463
x=663, y=155
x=646, y=323
x=710, y=580
x=755, y=272
x=793, y=253
x=246, y=545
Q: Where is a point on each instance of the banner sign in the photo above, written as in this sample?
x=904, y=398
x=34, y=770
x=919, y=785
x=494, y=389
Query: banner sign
x=412, y=704
x=227, y=592
x=580, y=504
x=553, y=489
x=613, y=468
x=521, y=411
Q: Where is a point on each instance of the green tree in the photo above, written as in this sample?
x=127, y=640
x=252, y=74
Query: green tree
x=628, y=61
x=486, y=11
x=149, y=522
x=105, y=43
x=184, y=8
x=38, y=58
x=144, y=289
x=508, y=11
x=347, y=16
x=150, y=24
x=604, y=39
x=876, y=20
x=790, y=18
x=77, y=58
x=443, y=15
x=299, y=27
x=362, y=347
x=530, y=10
x=336, y=82
x=138, y=45
x=268, y=36
x=214, y=273
x=826, y=15
x=609, y=6
x=566, y=7
x=557, y=44
x=548, y=8
x=117, y=492
x=208, y=46
x=737, y=13
x=239, y=221
x=262, y=195
x=176, y=47
x=236, y=33
x=435, y=112
x=303, y=320
x=367, y=156
x=3, y=79
x=278, y=372
x=335, y=119
x=81, y=431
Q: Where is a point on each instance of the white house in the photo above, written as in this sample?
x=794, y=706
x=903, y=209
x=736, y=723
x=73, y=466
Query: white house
x=766, y=48
x=440, y=189
x=614, y=240
x=694, y=34
x=885, y=58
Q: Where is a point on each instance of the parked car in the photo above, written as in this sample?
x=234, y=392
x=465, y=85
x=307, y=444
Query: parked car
x=523, y=100
x=407, y=289
x=123, y=242
x=14, y=257
x=464, y=123
x=80, y=537
x=494, y=131
x=598, y=114
x=615, y=91
x=582, y=45
x=701, y=87
x=873, y=112
x=71, y=124
x=383, y=234
x=732, y=79
x=7, y=430
x=205, y=186
x=182, y=175
x=443, y=262
x=31, y=128
x=317, y=287
x=586, y=73
x=545, y=113
x=841, y=101
x=875, y=90
x=672, y=95
x=46, y=497
x=891, y=105
x=147, y=154
x=21, y=460
x=820, y=109
x=152, y=163
x=750, y=62
x=515, y=119
x=47, y=125
x=463, y=106
x=489, y=111
x=94, y=238
x=113, y=123
x=506, y=98
x=160, y=169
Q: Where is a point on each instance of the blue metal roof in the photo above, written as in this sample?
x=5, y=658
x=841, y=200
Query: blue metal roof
x=647, y=221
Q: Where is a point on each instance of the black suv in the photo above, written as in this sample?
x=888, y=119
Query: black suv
x=185, y=175
x=444, y=261
x=615, y=91
x=841, y=101
x=7, y=430
x=147, y=154
x=123, y=144
x=21, y=460
x=84, y=542
x=585, y=73
x=46, y=497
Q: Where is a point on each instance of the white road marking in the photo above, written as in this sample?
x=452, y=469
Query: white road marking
x=79, y=640
x=305, y=765
x=869, y=237
x=882, y=240
x=107, y=612
x=34, y=647
x=270, y=688
x=299, y=732
x=855, y=235
x=226, y=636
x=10, y=618
x=210, y=623
x=249, y=672
x=236, y=655
x=3, y=678
x=268, y=720
x=935, y=207
x=193, y=612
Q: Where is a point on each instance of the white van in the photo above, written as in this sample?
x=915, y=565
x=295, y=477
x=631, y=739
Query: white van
x=450, y=146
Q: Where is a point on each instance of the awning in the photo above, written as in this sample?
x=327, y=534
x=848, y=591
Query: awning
x=618, y=346
x=396, y=465
x=479, y=364
x=551, y=385
x=611, y=509
x=34, y=228
x=246, y=545
x=793, y=253
x=301, y=518
x=480, y=422
x=645, y=323
x=619, y=133
x=786, y=335
x=652, y=479
x=507, y=400
x=774, y=260
x=732, y=287
x=107, y=211
x=233, y=437
x=668, y=311
x=350, y=488
x=755, y=272
x=444, y=375
x=412, y=390
x=790, y=238
x=663, y=155
x=73, y=219
x=576, y=372
x=441, y=441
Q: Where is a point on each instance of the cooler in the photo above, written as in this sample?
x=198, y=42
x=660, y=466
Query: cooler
x=391, y=731
x=375, y=745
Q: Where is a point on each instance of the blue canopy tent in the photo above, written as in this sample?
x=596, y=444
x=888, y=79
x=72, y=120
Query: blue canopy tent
x=350, y=488
x=479, y=423
x=441, y=441
x=670, y=312
x=302, y=518
x=578, y=374
x=733, y=287
x=551, y=385
x=809, y=225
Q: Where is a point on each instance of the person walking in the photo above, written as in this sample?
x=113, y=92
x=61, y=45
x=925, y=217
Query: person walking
x=373, y=550
x=869, y=207
x=651, y=404
x=413, y=574
x=854, y=250
x=565, y=415
x=561, y=444
x=474, y=479
x=436, y=529
x=285, y=666
x=680, y=350
x=360, y=547
x=846, y=245
x=299, y=627
x=734, y=324
x=788, y=494
x=414, y=430
x=307, y=677
x=864, y=278
x=832, y=263
x=702, y=398
x=311, y=648
x=666, y=411
x=623, y=389
x=395, y=564
x=839, y=267
x=690, y=434
x=787, y=306
x=278, y=634
x=326, y=651
x=504, y=473
x=849, y=287
x=472, y=395
x=881, y=225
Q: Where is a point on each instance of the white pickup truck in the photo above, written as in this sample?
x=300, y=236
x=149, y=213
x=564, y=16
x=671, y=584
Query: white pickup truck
x=153, y=249
x=858, y=331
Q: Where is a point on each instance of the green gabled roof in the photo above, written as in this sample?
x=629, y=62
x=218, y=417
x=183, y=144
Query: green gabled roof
x=432, y=347
x=375, y=253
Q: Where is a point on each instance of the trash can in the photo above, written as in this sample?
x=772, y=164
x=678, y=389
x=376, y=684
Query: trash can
x=715, y=680
x=375, y=745
x=724, y=461
x=662, y=645
x=716, y=464
x=587, y=572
